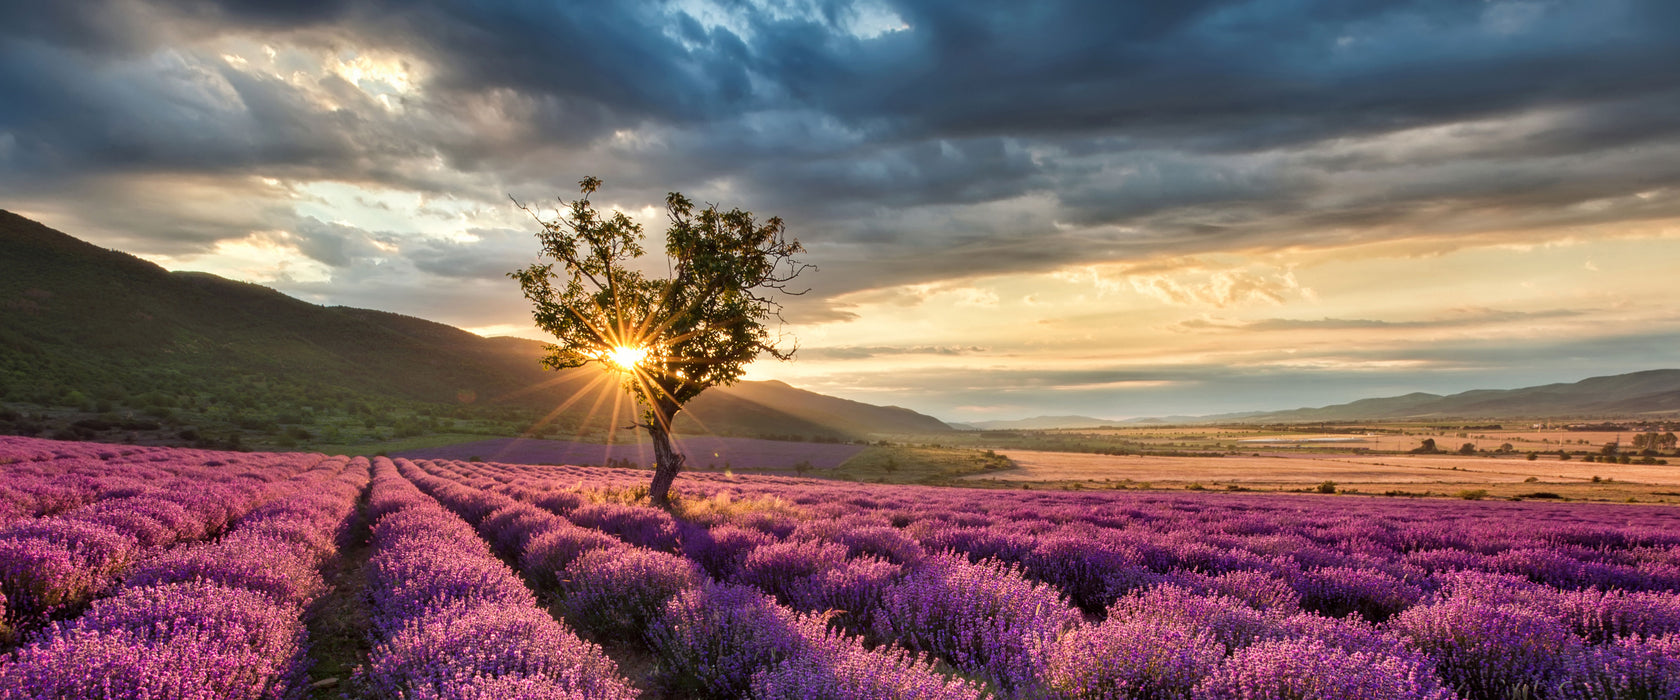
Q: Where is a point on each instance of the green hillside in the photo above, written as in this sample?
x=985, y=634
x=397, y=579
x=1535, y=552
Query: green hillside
x=93, y=340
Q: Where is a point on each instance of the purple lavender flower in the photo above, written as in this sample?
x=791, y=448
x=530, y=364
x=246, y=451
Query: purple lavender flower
x=437, y=594
x=617, y=592
x=122, y=664
x=253, y=563
x=721, y=549
x=1257, y=589
x=840, y=668
x=1092, y=571
x=888, y=543
x=638, y=525
x=454, y=648
x=1488, y=651
x=983, y=618
x=1338, y=591
x=1227, y=620
x=511, y=527
x=712, y=639
x=1305, y=669
x=1123, y=658
x=547, y=554
x=1629, y=668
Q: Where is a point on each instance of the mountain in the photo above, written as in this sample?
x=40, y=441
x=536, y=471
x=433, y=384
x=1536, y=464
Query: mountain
x=844, y=415
x=84, y=326
x=1044, y=423
x=1653, y=393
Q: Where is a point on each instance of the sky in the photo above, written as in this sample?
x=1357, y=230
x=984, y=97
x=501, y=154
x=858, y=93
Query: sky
x=1111, y=209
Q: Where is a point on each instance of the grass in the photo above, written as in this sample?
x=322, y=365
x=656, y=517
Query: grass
x=899, y=464
x=1617, y=492
x=723, y=507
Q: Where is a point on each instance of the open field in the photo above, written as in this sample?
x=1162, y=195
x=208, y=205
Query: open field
x=1520, y=440
x=1379, y=437
x=1412, y=474
x=250, y=575
x=1303, y=469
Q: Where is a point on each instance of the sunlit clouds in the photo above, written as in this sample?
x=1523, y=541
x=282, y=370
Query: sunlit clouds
x=1114, y=209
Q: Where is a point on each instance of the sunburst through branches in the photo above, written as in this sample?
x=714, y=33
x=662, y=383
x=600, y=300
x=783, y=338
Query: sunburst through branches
x=626, y=357
x=668, y=338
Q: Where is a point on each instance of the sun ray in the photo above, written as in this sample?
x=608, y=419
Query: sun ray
x=594, y=410
x=574, y=398
x=617, y=412
x=539, y=386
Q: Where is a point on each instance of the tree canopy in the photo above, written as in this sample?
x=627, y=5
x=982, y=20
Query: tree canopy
x=669, y=337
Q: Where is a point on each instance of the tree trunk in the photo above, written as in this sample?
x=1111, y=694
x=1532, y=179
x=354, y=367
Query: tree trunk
x=667, y=462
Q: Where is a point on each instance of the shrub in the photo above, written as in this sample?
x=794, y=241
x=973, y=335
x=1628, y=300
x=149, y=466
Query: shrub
x=1127, y=658
x=617, y=592
x=1307, y=669
x=983, y=618
x=712, y=638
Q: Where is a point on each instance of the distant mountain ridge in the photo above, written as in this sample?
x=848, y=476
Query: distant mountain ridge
x=1043, y=423
x=1653, y=393
x=78, y=319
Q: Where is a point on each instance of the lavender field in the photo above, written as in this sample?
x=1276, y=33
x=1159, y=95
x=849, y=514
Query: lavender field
x=133, y=572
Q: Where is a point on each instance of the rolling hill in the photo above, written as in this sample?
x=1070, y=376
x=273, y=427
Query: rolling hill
x=1043, y=423
x=1654, y=393
x=83, y=326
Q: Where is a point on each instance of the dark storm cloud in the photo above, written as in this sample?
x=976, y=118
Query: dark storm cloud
x=1233, y=75
x=983, y=137
x=173, y=112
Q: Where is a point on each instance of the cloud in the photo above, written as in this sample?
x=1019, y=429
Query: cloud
x=490, y=255
x=856, y=352
x=1149, y=129
x=1468, y=317
x=337, y=245
x=1267, y=379
x=1222, y=289
x=909, y=144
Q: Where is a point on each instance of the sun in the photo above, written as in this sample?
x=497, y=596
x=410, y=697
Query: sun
x=627, y=357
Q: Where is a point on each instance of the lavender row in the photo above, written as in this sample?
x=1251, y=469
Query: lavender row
x=451, y=621
x=51, y=566
x=714, y=640
x=983, y=618
x=1213, y=535
x=1097, y=547
x=988, y=619
x=1609, y=641
x=217, y=620
x=44, y=477
x=16, y=451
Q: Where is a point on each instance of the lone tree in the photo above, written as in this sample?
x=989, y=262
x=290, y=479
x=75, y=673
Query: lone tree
x=669, y=338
